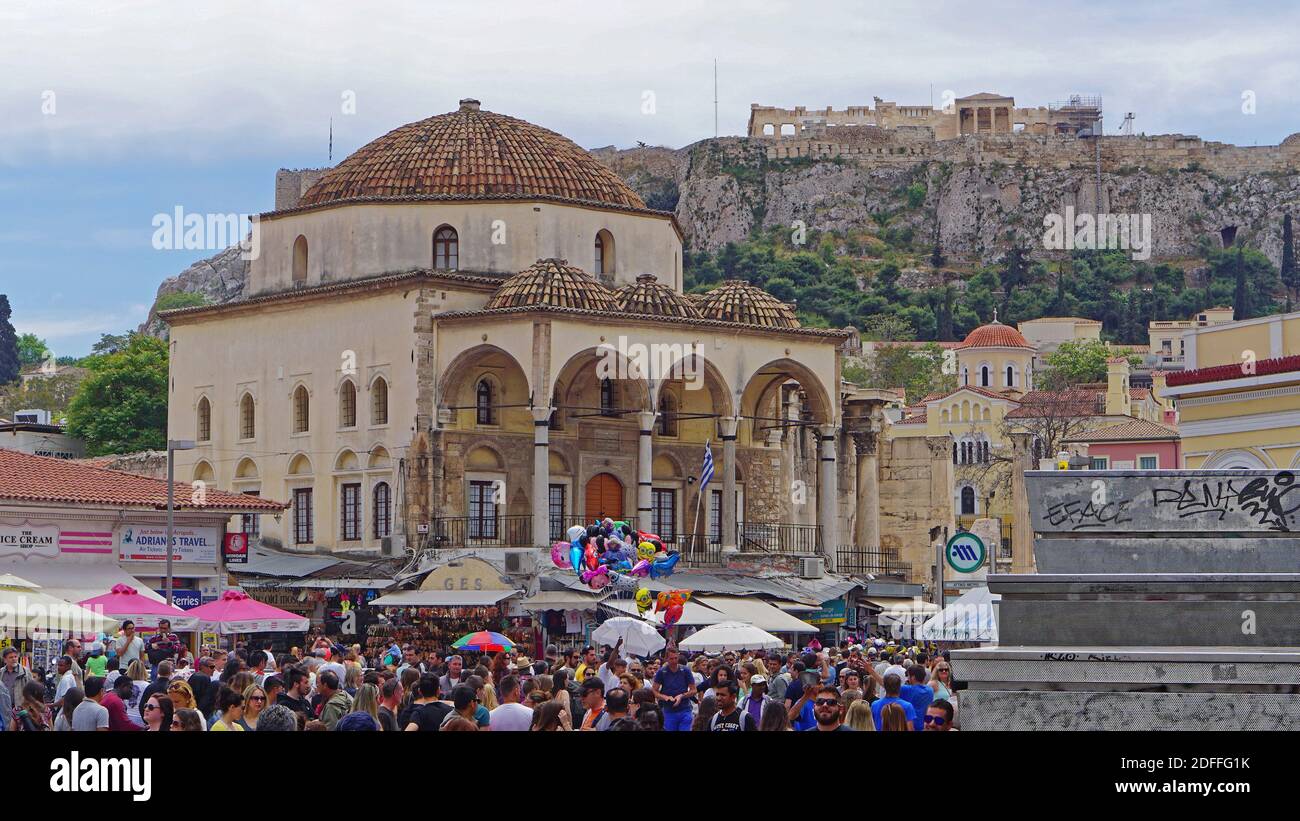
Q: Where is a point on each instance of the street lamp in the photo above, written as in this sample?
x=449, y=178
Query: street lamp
x=173, y=445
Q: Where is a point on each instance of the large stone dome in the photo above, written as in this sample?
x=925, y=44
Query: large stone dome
x=472, y=154
x=649, y=296
x=995, y=335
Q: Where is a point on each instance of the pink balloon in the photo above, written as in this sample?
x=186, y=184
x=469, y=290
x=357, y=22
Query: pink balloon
x=641, y=568
x=560, y=554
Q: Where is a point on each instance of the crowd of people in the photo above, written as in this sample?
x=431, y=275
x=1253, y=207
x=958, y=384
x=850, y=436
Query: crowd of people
x=329, y=686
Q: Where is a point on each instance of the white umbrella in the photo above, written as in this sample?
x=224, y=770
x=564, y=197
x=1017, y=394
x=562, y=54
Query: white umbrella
x=640, y=638
x=730, y=635
x=25, y=609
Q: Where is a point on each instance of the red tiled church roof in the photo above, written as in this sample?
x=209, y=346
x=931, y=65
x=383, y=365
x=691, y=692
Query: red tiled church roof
x=28, y=478
x=995, y=335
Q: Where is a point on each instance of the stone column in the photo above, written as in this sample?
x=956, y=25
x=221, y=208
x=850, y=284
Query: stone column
x=828, y=491
x=727, y=517
x=867, y=523
x=542, y=476
x=644, y=468
x=1022, y=530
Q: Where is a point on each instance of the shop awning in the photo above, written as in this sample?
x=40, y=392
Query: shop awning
x=561, y=600
x=444, y=598
x=758, y=613
x=73, y=581
x=693, y=614
x=794, y=606
x=344, y=583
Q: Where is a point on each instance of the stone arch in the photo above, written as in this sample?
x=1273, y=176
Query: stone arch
x=603, y=259
x=247, y=416
x=666, y=466
x=300, y=410
x=203, y=472
x=446, y=248
x=203, y=420
x=559, y=464
x=378, y=458
x=300, y=259
x=459, y=378
x=946, y=416
x=299, y=465
x=698, y=367
x=246, y=469
x=581, y=374
x=1239, y=459
x=347, y=403
x=780, y=371
x=346, y=460
x=484, y=456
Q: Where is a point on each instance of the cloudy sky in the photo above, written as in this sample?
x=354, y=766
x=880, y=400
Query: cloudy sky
x=114, y=112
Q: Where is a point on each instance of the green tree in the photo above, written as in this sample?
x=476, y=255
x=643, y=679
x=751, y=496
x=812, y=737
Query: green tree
x=1241, y=297
x=1290, y=276
x=10, y=361
x=31, y=350
x=121, y=407
x=1076, y=362
x=111, y=343
x=51, y=393
x=918, y=370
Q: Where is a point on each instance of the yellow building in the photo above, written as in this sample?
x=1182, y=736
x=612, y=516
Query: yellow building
x=1239, y=400
x=1165, y=337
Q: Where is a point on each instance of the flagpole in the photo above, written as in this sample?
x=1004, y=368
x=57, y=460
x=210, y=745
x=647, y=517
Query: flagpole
x=699, y=498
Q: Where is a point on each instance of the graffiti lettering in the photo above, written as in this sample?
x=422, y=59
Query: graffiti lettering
x=1264, y=498
x=1085, y=515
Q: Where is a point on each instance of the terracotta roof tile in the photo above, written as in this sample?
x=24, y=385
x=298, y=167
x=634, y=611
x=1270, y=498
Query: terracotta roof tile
x=1218, y=373
x=556, y=283
x=28, y=478
x=470, y=153
x=1134, y=431
x=648, y=296
x=1036, y=404
x=995, y=335
x=738, y=301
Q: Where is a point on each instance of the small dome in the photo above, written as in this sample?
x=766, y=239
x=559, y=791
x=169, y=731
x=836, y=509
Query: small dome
x=737, y=301
x=647, y=296
x=472, y=154
x=556, y=283
x=995, y=335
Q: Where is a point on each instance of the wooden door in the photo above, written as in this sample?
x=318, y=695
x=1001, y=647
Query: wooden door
x=604, y=497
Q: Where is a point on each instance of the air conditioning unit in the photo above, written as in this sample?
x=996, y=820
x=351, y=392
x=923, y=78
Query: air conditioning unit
x=812, y=568
x=393, y=545
x=521, y=563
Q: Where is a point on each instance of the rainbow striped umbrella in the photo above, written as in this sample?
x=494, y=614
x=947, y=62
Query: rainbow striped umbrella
x=484, y=641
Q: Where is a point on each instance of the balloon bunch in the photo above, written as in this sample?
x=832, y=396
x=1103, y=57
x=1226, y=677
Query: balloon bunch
x=671, y=603
x=610, y=553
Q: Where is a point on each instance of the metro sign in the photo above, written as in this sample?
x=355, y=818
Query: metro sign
x=965, y=552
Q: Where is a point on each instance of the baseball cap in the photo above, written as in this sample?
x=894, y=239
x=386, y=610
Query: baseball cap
x=757, y=679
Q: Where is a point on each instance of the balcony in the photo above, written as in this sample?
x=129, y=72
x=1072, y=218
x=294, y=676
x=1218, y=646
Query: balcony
x=453, y=532
x=851, y=560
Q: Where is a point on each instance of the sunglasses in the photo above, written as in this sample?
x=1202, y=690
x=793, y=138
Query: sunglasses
x=937, y=721
x=150, y=707
x=176, y=725
x=827, y=702
x=257, y=698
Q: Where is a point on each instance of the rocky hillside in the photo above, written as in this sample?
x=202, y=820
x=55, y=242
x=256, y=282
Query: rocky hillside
x=722, y=190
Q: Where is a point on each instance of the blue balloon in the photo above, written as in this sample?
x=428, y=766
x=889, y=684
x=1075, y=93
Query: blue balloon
x=664, y=567
x=575, y=556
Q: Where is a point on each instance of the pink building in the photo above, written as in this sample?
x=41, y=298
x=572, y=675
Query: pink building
x=1135, y=445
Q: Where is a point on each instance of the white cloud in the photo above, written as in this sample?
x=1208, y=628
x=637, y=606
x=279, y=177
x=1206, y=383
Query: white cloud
x=74, y=325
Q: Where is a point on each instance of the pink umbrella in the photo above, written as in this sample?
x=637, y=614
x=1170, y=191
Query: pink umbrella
x=124, y=602
x=235, y=612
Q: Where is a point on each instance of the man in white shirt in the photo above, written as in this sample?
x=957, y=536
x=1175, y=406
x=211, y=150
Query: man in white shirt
x=335, y=663
x=511, y=716
x=90, y=715
x=66, y=680
x=128, y=645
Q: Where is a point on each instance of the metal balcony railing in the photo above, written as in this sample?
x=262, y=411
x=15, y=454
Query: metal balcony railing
x=779, y=537
x=859, y=561
x=482, y=531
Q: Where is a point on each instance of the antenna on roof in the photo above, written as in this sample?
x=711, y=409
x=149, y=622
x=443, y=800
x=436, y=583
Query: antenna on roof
x=715, y=98
x=331, y=154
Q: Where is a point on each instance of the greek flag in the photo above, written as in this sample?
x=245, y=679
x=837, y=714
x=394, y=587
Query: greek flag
x=706, y=473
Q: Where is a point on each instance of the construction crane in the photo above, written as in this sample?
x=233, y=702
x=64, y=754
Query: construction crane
x=1126, y=127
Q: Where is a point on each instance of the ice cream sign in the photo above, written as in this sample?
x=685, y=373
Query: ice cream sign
x=147, y=543
x=27, y=539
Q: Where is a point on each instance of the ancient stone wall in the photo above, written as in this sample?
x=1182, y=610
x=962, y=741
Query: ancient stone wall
x=915, y=477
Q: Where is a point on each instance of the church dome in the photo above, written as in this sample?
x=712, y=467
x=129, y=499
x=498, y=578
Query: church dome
x=472, y=154
x=995, y=335
x=737, y=301
x=648, y=296
x=555, y=283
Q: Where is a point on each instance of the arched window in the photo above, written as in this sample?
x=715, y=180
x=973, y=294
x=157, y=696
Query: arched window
x=606, y=398
x=383, y=510
x=203, y=426
x=300, y=259
x=446, y=249
x=604, y=254
x=484, y=407
x=667, y=414
x=347, y=404
x=985, y=447
x=968, y=501
x=965, y=376
x=954, y=453
x=301, y=410
x=379, y=402
x=985, y=376
x=1011, y=377
x=247, y=418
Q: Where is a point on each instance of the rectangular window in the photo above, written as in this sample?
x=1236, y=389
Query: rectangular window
x=715, y=517
x=251, y=523
x=557, y=511
x=663, y=516
x=1148, y=463
x=302, y=516
x=350, y=512
x=1099, y=463
x=482, y=510
x=383, y=511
